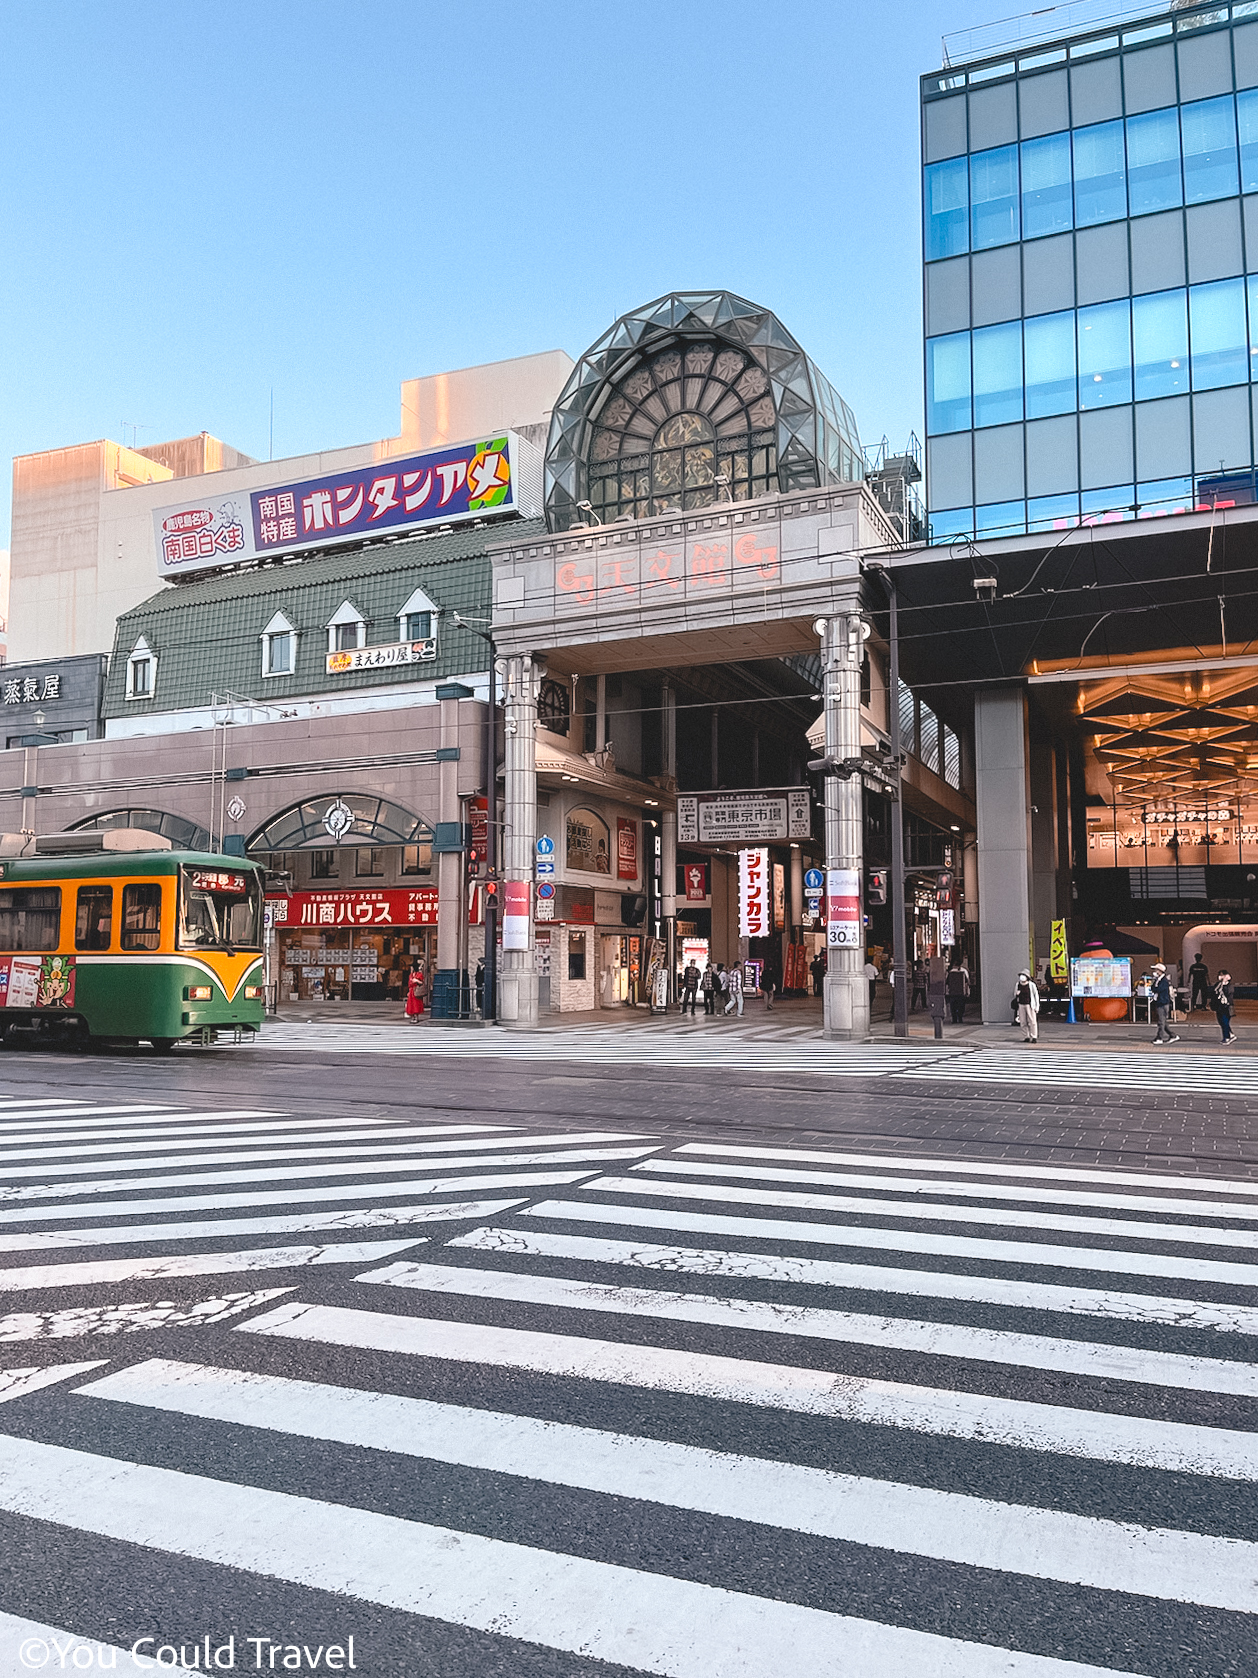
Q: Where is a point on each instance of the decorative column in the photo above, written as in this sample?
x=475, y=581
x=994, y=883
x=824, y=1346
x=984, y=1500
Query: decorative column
x=448, y=980
x=517, y=1007
x=846, y=989
x=1002, y=793
x=668, y=837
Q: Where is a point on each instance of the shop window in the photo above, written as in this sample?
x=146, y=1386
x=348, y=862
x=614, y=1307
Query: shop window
x=576, y=955
x=323, y=865
x=279, y=647
x=141, y=671
x=417, y=859
x=588, y=843
x=141, y=916
x=30, y=919
x=369, y=864
x=93, y=917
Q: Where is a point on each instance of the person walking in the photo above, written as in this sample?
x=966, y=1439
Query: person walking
x=818, y=971
x=415, y=988
x=709, y=987
x=1027, y=994
x=689, y=988
x=1162, y=1004
x=1224, y=1003
x=1199, y=979
x=734, y=990
x=769, y=985
x=871, y=973
x=957, y=990
x=919, y=985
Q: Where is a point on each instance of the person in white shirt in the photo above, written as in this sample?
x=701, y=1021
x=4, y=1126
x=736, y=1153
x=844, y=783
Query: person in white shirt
x=871, y=973
x=735, y=990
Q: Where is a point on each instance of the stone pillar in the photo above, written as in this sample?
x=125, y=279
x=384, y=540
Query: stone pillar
x=1043, y=844
x=668, y=839
x=1003, y=795
x=846, y=989
x=518, y=978
x=449, y=863
x=797, y=888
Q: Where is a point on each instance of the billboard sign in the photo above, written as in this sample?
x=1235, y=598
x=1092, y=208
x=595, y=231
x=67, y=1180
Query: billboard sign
x=721, y=818
x=442, y=486
x=843, y=909
x=754, y=907
x=1100, y=976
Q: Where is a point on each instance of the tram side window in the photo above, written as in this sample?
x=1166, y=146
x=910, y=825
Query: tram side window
x=94, y=918
x=141, y=916
x=30, y=919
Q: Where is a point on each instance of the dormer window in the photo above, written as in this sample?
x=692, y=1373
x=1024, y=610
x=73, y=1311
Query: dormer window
x=141, y=671
x=417, y=620
x=347, y=629
x=279, y=647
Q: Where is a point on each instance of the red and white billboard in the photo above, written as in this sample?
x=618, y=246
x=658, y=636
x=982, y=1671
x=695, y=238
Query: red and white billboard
x=755, y=909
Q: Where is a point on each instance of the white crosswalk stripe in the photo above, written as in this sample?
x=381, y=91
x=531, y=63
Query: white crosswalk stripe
x=753, y=1369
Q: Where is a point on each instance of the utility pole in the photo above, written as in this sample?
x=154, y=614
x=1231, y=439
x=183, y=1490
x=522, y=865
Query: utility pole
x=846, y=989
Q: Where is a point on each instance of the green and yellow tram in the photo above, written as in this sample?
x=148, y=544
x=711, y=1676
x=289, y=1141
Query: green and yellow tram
x=103, y=940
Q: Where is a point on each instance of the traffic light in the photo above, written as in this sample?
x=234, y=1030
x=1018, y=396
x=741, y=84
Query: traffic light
x=493, y=894
x=876, y=889
x=475, y=857
x=944, y=883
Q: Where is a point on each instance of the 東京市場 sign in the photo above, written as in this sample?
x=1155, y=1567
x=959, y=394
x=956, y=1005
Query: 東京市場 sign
x=716, y=818
x=443, y=486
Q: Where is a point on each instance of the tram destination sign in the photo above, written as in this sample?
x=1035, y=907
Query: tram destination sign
x=754, y=817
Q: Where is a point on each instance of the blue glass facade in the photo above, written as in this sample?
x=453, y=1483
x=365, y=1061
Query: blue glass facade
x=1091, y=275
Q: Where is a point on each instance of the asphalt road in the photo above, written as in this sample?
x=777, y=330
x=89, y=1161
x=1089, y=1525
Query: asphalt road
x=562, y=1369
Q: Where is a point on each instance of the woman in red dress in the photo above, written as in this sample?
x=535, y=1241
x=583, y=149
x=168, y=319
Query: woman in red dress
x=415, y=992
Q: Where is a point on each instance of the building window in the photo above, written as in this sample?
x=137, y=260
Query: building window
x=347, y=629
x=417, y=626
x=323, y=865
x=1100, y=174
x=417, y=619
x=369, y=864
x=1046, y=193
x=948, y=383
x=1159, y=331
x=867, y=681
x=994, y=218
x=1051, y=384
x=279, y=647
x=1247, y=121
x=417, y=859
x=1153, y=174
x=946, y=197
x=1220, y=354
x=997, y=354
x=1105, y=354
x=576, y=955
x=141, y=671
x=1209, y=129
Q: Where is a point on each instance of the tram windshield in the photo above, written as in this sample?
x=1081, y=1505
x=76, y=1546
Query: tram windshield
x=219, y=908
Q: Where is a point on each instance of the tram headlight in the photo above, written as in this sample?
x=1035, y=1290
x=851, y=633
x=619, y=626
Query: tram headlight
x=199, y=993
x=253, y=993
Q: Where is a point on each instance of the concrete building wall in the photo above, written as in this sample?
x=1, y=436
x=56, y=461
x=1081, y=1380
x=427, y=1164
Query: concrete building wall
x=1003, y=798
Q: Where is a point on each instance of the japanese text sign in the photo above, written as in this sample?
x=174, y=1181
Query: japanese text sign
x=755, y=919
x=843, y=909
x=314, y=909
x=626, y=849
x=716, y=818
x=442, y=486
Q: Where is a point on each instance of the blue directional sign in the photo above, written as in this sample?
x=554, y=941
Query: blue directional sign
x=814, y=880
x=545, y=868
x=545, y=846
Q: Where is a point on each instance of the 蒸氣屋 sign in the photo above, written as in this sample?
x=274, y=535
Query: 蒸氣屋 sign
x=442, y=486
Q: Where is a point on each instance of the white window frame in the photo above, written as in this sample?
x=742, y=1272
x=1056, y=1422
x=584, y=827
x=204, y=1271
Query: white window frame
x=346, y=613
x=279, y=625
x=141, y=653
x=418, y=602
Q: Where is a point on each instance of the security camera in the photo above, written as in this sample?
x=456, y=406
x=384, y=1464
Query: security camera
x=985, y=588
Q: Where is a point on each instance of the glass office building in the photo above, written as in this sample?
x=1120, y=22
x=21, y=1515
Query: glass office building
x=1091, y=275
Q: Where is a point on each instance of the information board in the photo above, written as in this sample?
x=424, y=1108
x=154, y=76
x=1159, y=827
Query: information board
x=1100, y=976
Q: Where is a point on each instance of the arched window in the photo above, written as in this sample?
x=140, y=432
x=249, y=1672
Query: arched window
x=183, y=834
x=340, y=818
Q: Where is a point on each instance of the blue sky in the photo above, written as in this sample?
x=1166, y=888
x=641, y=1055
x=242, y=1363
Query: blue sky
x=200, y=203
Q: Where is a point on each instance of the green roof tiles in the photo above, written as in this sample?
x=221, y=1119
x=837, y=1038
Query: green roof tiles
x=206, y=636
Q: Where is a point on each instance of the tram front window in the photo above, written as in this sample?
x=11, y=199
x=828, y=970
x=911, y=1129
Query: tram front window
x=219, y=909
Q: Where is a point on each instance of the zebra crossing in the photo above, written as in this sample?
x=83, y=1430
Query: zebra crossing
x=791, y=1050
x=507, y=1399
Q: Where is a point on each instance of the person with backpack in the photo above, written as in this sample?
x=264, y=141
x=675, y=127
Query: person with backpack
x=1027, y=996
x=1224, y=1001
x=1162, y=1004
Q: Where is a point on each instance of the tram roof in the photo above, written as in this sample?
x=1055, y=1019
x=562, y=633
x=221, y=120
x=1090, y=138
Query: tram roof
x=117, y=864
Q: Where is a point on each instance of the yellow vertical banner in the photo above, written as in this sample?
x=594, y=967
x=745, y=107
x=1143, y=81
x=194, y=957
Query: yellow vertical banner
x=1058, y=959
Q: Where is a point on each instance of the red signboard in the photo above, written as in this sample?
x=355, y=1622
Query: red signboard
x=362, y=908
x=696, y=882
x=478, y=816
x=626, y=849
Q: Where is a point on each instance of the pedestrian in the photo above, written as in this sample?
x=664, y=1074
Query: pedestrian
x=415, y=988
x=919, y=984
x=891, y=982
x=957, y=990
x=871, y=973
x=709, y=987
x=1162, y=1004
x=818, y=971
x=1026, y=993
x=769, y=985
x=1199, y=979
x=689, y=987
x=480, y=986
x=1224, y=1002
x=734, y=990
